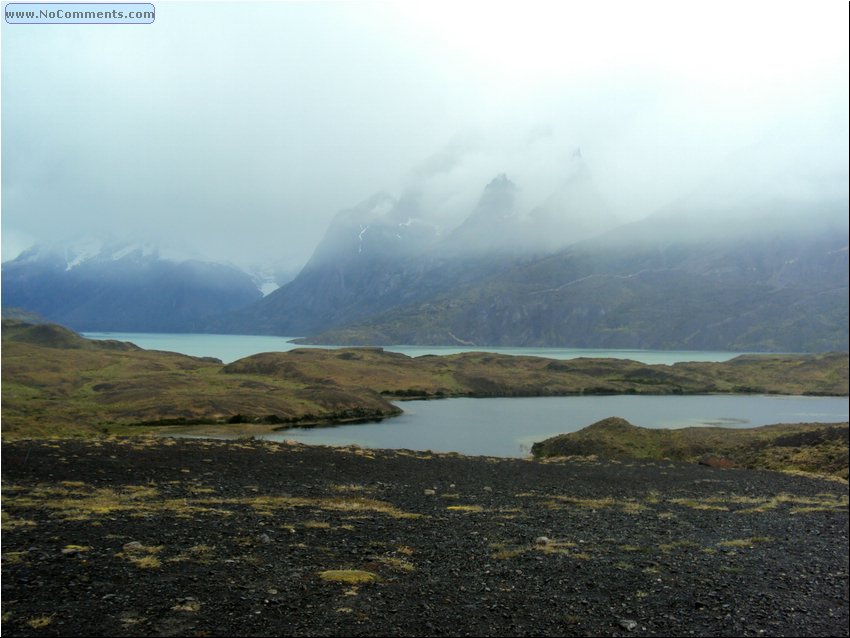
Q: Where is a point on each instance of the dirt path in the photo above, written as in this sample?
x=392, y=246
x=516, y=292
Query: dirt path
x=196, y=537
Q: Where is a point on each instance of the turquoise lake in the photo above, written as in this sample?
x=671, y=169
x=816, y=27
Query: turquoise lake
x=229, y=348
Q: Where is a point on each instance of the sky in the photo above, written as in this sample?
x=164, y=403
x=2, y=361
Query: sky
x=236, y=131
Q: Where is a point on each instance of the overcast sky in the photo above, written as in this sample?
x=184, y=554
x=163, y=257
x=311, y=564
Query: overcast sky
x=240, y=129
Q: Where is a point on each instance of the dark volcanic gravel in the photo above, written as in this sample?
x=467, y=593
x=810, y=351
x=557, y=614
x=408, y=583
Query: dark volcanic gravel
x=196, y=537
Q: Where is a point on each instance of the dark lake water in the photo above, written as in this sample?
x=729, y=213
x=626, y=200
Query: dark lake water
x=508, y=427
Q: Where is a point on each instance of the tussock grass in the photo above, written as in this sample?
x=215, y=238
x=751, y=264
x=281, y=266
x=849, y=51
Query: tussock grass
x=40, y=622
x=201, y=554
x=338, y=504
x=145, y=562
x=15, y=558
x=9, y=522
x=142, y=556
x=682, y=544
x=628, y=506
x=465, y=508
x=88, y=502
x=348, y=576
x=397, y=563
x=756, y=505
x=504, y=551
x=187, y=606
x=349, y=487
x=696, y=504
x=744, y=542
x=508, y=553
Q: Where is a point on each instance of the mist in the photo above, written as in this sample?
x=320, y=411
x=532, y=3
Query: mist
x=236, y=131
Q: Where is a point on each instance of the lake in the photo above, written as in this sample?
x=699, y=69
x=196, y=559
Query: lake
x=508, y=426
x=229, y=348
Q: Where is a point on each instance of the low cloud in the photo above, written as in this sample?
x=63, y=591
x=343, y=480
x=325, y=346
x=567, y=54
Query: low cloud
x=238, y=131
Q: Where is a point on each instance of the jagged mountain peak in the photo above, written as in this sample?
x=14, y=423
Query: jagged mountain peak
x=498, y=199
x=501, y=181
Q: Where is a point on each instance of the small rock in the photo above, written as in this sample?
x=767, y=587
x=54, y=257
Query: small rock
x=132, y=546
x=542, y=540
x=487, y=488
x=628, y=624
x=430, y=492
x=264, y=538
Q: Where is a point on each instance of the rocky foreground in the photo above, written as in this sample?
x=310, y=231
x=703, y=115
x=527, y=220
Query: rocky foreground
x=150, y=537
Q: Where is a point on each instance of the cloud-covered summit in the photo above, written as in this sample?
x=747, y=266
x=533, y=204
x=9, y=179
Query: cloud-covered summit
x=239, y=129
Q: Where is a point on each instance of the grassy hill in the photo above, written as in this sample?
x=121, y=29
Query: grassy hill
x=808, y=447
x=482, y=374
x=57, y=383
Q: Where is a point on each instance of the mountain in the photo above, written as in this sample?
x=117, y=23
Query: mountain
x=667, y=282
x=378, y=255
x=756, y=258
x=122, y=287
x=384, y=254
x=575, y=211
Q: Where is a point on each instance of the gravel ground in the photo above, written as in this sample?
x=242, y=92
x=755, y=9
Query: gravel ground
x=161, y=537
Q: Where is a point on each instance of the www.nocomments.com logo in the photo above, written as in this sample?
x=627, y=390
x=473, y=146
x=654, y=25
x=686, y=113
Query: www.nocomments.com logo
x=80, y=13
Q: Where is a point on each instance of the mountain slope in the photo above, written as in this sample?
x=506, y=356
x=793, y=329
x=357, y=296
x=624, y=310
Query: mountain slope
x=123, y=289
x=768, y=292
